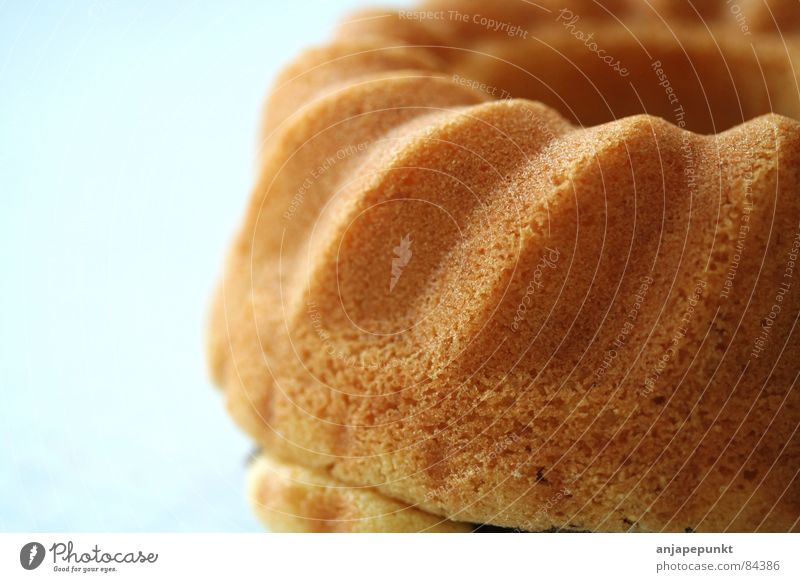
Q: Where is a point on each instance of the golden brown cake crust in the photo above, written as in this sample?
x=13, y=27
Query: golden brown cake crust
x=491, y=310
x=291, y=498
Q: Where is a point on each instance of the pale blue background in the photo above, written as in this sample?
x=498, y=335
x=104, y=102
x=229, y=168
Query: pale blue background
x=127, y=134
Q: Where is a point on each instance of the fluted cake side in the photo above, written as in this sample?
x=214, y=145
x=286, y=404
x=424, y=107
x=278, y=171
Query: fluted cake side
x=478, y=309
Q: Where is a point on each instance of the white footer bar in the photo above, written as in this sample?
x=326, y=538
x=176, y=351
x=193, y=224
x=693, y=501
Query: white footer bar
x=350, y=558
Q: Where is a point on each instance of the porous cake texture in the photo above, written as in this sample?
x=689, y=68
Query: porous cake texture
x=524, y=265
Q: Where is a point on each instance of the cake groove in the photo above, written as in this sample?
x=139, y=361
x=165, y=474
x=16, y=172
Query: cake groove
x=479, y=308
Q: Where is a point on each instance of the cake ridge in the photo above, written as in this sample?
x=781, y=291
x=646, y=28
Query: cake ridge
x=464, y=280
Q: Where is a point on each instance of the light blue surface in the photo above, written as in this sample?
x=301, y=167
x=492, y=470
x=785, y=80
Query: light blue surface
x=127, y=134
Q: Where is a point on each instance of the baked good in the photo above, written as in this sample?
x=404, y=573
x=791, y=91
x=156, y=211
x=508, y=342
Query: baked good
x=293, y=498
x=505, y=266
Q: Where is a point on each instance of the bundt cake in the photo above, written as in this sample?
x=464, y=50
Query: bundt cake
x=517, y=265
